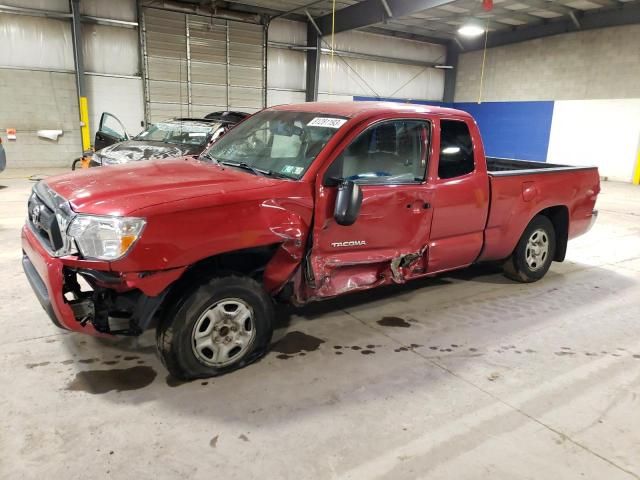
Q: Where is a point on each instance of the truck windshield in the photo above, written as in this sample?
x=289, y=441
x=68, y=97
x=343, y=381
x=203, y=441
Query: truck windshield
x=282, y=143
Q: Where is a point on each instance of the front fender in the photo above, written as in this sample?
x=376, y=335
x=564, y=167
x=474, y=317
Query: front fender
x=174, y=239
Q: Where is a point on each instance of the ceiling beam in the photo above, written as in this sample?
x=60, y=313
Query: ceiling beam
x=625, y=15
x=370, y=12
x=419, y=37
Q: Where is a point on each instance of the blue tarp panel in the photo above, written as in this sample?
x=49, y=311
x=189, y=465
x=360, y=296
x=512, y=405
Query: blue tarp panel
x=513, y=129
x=509, y=129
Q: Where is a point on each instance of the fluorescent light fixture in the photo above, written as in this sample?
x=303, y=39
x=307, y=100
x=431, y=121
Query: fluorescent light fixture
x=444, y=67
x=471, y=30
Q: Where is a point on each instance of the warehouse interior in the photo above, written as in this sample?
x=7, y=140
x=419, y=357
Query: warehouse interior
x=466, y=374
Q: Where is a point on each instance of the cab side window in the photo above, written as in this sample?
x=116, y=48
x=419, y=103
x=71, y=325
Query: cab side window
x=456, y=149
x=390, y=152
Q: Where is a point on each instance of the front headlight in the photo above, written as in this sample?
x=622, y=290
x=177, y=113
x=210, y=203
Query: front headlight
x=105, y=238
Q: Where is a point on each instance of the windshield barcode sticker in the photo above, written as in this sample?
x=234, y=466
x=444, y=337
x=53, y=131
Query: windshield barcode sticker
x=327, y=122
x=292, y=169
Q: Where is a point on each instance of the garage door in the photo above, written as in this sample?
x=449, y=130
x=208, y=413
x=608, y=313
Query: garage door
x=195, y=65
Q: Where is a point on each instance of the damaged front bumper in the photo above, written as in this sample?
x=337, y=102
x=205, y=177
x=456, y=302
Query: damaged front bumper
x=109, y=303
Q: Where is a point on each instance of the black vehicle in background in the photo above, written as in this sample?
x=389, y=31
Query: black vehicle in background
x=172, y=138
x=226, y=116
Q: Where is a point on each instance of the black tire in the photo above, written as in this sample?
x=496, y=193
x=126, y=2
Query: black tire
x=174, y=338
x=517, y=267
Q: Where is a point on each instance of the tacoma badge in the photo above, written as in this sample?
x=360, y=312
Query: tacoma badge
x=350, y=243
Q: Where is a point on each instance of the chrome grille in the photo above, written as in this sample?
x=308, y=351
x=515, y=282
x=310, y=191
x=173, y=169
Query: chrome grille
x=49, y=216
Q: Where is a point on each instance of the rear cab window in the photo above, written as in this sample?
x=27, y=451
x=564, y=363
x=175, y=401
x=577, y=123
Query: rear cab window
x=456, y=150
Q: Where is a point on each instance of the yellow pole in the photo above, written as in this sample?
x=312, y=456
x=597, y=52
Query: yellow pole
x=84, y=119
x=636, y=172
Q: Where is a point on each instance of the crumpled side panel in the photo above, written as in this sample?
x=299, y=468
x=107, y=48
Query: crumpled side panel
x=291, y=224
x=336, y=276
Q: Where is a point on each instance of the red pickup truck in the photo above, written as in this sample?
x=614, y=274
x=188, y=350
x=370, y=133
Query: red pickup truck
x=297, y=203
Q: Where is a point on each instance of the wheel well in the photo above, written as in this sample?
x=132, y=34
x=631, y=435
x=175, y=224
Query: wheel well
x=249, y=262
x=559, y=216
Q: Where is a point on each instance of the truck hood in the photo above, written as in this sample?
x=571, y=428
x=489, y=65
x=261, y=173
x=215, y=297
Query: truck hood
x=121, y=190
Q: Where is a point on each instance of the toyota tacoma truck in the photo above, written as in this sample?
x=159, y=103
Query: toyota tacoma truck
x=297, y=203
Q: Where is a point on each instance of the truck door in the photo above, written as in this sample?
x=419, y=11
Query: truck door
x=461, y=196
x=388, y=240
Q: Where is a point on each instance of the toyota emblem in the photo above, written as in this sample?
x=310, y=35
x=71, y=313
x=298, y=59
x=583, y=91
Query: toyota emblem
x=35, y=216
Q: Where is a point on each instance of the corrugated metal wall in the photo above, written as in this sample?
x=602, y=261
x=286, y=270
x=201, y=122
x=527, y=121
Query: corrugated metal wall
x=196, y=65
x=347, y=76
x=286, y=69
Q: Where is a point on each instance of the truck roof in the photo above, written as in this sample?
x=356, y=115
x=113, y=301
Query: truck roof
x=352, y=109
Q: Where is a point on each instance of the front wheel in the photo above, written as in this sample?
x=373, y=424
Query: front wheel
x=223, y=325
x=534, y=253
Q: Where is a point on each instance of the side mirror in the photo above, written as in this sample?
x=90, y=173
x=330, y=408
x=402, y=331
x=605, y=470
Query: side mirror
x=348, y=203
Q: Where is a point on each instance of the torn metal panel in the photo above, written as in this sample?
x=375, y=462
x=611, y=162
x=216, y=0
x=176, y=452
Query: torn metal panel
x=335, y=276
x=291, y=225
x=408, y=265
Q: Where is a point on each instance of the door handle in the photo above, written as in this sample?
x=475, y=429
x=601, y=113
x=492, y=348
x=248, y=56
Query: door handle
x=425, y=205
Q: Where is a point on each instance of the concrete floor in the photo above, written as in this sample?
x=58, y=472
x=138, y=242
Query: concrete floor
x=464, y=376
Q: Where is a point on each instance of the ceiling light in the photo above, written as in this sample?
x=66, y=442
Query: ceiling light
x=471, y=31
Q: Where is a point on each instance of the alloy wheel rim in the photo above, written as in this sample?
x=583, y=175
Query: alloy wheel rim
x=537, y=249
x=223, y=333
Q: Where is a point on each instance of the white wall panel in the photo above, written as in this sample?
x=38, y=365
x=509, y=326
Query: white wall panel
x=334, y=97
x=284, y=97
x=110, y=50
x=119, y=96
x=287, y=31
x=605, y=133
x=380, y=79
x=373, y=44
x=55, y=5
x=286, y=69
x=113, y=9
x=35, y=42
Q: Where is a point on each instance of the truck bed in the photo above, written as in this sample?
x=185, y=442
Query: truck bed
x=507, y=166
x=519, y=189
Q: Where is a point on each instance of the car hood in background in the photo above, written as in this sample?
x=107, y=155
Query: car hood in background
x=134, y=150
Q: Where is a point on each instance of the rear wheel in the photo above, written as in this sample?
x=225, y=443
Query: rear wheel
x=534, y=253
x=223, y=325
